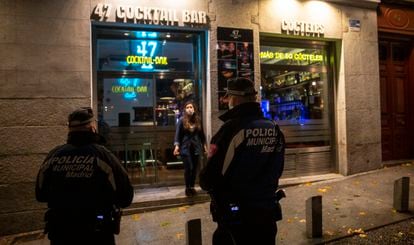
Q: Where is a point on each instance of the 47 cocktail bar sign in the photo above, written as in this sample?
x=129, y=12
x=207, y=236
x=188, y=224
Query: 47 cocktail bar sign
x=148, y=15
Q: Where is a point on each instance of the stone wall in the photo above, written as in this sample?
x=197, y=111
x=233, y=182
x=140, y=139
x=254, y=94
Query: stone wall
x=361, y=93
x=44, y=74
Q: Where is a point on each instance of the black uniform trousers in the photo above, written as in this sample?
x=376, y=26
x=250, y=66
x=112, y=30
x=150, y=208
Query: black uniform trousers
x=254, y=228
x=97, y=238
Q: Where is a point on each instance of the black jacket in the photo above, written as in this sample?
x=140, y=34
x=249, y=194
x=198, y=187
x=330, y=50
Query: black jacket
x=190, y=143
x=246, y=159
x=82, y=179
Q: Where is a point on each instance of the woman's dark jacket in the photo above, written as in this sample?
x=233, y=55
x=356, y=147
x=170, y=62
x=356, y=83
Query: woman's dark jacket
x=189, y=142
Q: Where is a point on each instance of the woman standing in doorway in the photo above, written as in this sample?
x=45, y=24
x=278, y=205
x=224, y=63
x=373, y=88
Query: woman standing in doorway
x=190, y=143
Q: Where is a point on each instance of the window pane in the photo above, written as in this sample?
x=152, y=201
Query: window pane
x=145, y=52
x=294, y=92
x=128, y=101
x=171, y=96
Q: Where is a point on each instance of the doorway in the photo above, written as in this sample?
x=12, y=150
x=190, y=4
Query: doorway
x=396, y=85
x=143, y=77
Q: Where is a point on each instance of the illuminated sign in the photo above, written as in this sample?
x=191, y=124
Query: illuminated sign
x=302, y=28
x=146, y=58
x=148, y=15
x=290, y=56
x=129, y=87
x=146, y=61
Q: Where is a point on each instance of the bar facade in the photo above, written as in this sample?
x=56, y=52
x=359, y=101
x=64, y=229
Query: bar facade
x=136, y=63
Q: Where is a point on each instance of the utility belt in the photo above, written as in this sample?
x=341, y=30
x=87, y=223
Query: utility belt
x=110, y=222
x=71, y=221
x=235, y=213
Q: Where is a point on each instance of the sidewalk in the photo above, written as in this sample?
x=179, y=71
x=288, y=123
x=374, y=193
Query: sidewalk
x=362, y=201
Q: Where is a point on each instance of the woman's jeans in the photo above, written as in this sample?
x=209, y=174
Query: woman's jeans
x=190, y=169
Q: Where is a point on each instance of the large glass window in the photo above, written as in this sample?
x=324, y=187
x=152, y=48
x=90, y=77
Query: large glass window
x=295, y=90
x=143, y=78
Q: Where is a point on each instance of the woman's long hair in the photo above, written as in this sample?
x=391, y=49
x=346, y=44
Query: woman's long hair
x=193, y=120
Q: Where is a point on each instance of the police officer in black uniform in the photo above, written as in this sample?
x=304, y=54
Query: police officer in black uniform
x=245, y=162
x=84, y=186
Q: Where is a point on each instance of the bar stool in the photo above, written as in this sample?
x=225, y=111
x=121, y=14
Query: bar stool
x=148, y=155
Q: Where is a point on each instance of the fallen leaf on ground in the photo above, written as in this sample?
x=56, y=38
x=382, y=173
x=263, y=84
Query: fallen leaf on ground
x=136, y=217
x=179, y=235
x=163, y=224
x=362, y=213
x=356, y=231
x=363, y=235
x=329, y=233
x=400, y=234
x=302, y=221
x=289, y=220
x=325, y=189
x=183, y=209
x=308, y=184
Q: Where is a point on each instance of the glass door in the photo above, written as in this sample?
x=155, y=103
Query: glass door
x=138, y=114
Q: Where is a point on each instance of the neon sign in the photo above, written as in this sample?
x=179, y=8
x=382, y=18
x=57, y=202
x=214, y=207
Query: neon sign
x=129, y=87
x=290, y=56
x=146, y=58
x=146, y=61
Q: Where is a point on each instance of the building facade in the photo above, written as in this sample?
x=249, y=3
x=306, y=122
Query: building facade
x=136, y=63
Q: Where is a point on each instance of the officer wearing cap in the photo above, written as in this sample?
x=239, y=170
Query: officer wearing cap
x=84, y=185
x=245, y=162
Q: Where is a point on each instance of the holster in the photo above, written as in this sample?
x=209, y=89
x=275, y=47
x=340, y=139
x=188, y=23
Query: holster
x=116, y=220
x=279, y=194
x=109, y=221
x=278, y=211
x=227, y=213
